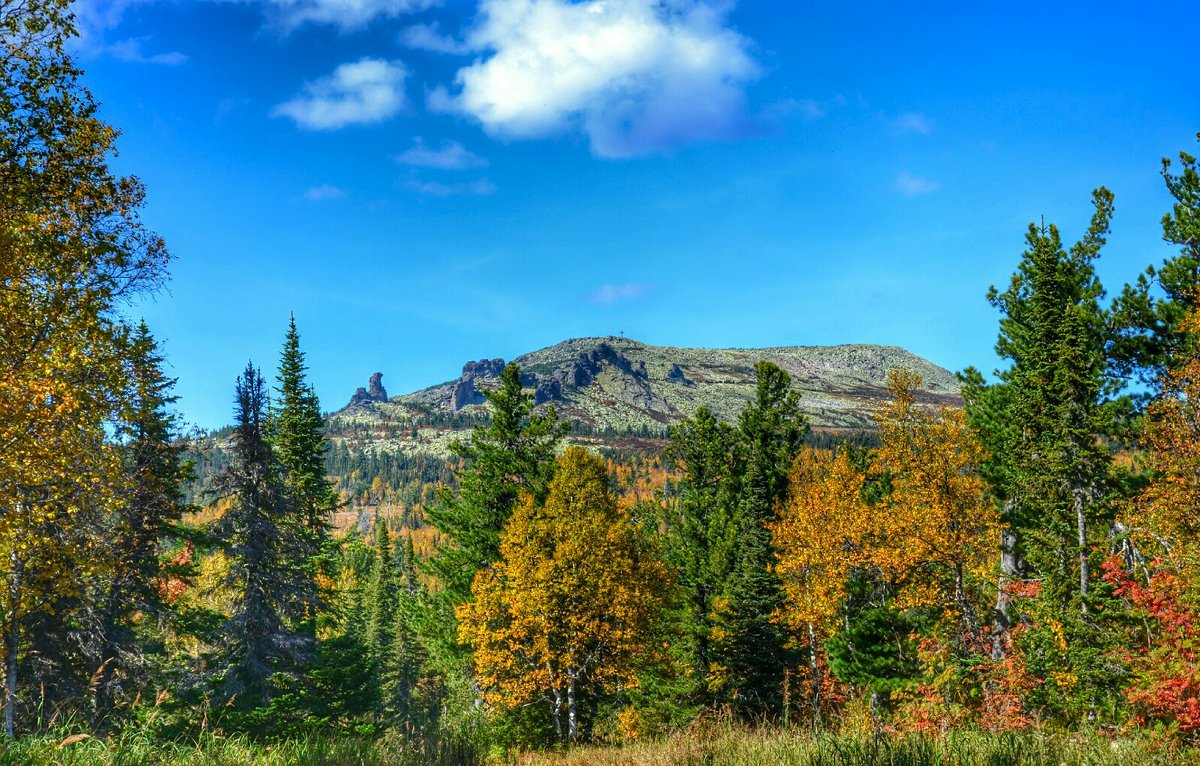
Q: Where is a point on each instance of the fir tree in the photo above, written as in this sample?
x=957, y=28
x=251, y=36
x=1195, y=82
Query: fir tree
x=264, y=540
x=151, y=503
x=1048, y=425
x=380, y=602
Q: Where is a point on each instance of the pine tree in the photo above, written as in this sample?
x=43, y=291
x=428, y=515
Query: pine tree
x=753, y=651
x=1048, y=425
x=151, y=502
x=263, y=539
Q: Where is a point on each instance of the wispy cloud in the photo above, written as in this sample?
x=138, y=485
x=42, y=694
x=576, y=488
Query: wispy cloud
x=130, y=51
x=608, y=294
x=913, y=185
x=481, y=187
x=323, y=193
x=366, y=91
x=913, y=122
x=344, y=14
x=451, y=155
x=634, y=76
x=428, y=37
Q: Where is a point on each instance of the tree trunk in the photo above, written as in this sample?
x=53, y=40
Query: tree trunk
x=572, y=715
x=1009, y=571
x=12, y=641
x=1081, y=529
x=814, y=663
x=556, y=713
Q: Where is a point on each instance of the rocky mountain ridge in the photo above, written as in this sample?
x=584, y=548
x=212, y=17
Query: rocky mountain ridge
x=617, y=385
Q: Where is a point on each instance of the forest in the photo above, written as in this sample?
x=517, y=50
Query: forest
x=1016, y=580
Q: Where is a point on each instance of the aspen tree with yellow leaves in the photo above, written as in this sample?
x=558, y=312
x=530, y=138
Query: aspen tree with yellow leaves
x=565, y=615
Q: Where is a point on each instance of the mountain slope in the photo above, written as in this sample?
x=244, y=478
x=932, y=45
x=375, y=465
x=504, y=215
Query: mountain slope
x=618, y=386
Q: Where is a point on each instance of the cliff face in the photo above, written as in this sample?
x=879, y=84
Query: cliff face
x=619, y=385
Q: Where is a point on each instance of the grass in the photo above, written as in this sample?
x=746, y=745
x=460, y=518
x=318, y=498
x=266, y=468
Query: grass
x=719, y=744
x=727, y=745
x=213, y=750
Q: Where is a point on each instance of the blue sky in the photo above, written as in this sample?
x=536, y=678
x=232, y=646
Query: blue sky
x=428, y=182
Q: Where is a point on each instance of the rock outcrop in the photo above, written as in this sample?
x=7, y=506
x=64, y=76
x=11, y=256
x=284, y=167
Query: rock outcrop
x=589, y=364
x=466, y=390
x=548, y=391
x=372, y=393
x=676, y=376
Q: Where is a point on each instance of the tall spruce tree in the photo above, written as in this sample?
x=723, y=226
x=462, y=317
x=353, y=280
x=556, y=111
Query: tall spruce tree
x=701, y=531
x=381, y=602
x=402, y=669
x=265, y=542
x=297, y=435
x=150, y=504
x=753, y=649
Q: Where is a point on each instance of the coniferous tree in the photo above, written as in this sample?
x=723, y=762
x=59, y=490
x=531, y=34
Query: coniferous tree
x=263, y=538
x=701, y=531
x=753, y=651
x=133, y=537
x=1048, y=425
x=402, y=670
x=297, y=435
x=381, y=602
x=1152, y=311
x=512, y=454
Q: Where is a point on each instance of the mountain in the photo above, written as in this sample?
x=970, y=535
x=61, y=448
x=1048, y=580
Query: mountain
x=617, y=387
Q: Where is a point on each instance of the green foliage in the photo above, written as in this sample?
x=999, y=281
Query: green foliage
x=513, y=454
x=1150, y=313
x=752, y=650
x=268, y=575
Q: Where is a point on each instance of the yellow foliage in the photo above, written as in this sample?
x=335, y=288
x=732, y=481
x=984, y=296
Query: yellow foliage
x=571, y=602
x=929, y=537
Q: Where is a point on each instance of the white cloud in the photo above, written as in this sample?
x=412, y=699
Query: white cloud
x=481, y=187
x=427, y=37
x=635, y=76
x=345, y=14
x=913, y=122
x=912, y=185
x=365, y=91
x=450, y=156
x=323, y=193
x=607, y=295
